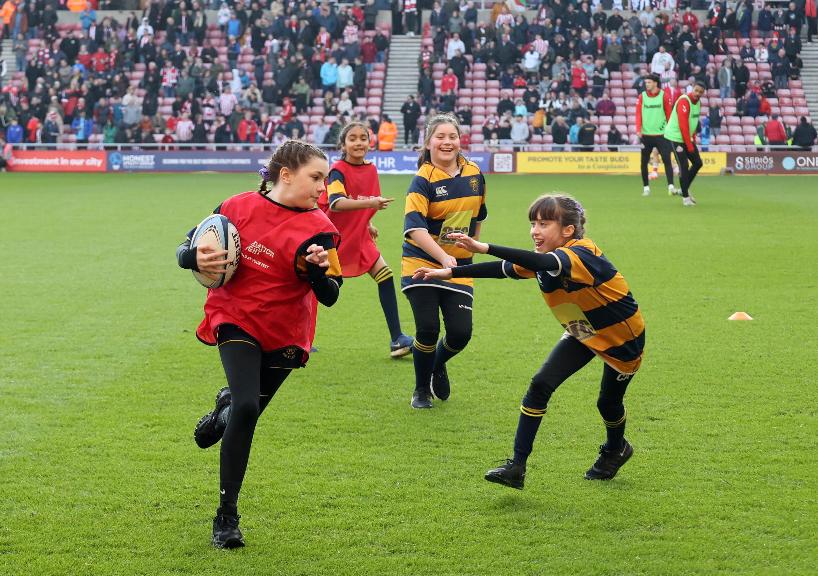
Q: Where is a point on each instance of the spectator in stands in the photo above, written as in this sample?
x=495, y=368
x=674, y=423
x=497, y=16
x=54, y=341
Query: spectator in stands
x=613, y=53
x=764, y=23
x=449, y=82
x=761, y=54
x=426, y=86
x=747, y=54
x=605, y=106
x=227, y=101
x=184, y=128
x=811, y=15
x=520, y=133
x=83, y=127
x=742, y=78
x=599, y=78
x=344, y=105
x=345, y=75
x=579, y=78
x=247, y=132
x=387, y=132
x=411, y=114
x=726, y=78
x=455, y=45
x=804, y=135
x=792, y=47
x=587, y=136
x=715, y=117
x=14, y=132
x=752, y=105
x=774, y=132
x=573, y=132
x=615, y=139
x=780, y=70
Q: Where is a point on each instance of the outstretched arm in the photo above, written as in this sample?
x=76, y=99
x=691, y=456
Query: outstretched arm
x=524, y=258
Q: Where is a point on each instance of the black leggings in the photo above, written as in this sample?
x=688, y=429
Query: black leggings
x=663, y=146
x=689, y=165
x=253, y=383
x=567, y=358
x=428, y=303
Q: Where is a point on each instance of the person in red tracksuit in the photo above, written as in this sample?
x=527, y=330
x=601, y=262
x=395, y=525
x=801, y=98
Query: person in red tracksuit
x=352, y=198
x=262, y=320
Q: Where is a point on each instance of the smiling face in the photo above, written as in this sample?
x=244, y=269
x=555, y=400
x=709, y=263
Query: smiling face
x=355, y=144
x=300, y=188
x=549, y=235
x=444, y=145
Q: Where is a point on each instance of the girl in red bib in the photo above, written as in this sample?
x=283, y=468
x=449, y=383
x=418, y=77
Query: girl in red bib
x=352, y=198
x=263, y=320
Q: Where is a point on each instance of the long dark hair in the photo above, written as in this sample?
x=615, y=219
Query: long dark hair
x=291, y=155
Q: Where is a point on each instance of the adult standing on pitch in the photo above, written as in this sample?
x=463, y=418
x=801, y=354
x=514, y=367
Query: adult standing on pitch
x=680, y=132
x=652, y=111
x=263, y=319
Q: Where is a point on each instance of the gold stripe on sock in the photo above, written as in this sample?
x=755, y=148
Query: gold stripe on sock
x=533, y=412
x=449, y=348
x=383, y=274
x=618, y=422
x=423, y=347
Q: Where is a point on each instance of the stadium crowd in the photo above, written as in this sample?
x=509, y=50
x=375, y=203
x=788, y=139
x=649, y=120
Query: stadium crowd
x=168, y=74
x=554, y=69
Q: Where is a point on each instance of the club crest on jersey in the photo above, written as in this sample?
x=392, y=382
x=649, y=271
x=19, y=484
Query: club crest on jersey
x=441, y=192
x=474, y=183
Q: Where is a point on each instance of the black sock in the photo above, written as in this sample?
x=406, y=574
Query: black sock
x=424, y=357
x=389, y=302
x=527, y=427
x=615, y=429
x=444, y=353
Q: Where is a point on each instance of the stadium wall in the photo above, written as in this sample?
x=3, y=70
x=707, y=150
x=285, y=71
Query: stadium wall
x=754, y=163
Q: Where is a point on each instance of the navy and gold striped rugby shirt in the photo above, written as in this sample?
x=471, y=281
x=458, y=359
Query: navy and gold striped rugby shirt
x=440, y=204
x=592, y=301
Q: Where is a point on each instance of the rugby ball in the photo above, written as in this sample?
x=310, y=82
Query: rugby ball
x=218, y=231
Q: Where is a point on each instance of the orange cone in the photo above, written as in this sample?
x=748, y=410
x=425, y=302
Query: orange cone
x=740, y=316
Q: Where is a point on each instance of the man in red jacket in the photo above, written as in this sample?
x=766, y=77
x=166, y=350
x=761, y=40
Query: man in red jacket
x=579, y=78
x=775, y=132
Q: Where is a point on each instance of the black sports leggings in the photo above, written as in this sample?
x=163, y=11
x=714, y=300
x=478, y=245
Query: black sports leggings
x=253, y=383
x=663, y=146
x=689, y=165
x=568, y=357
x=427, y=304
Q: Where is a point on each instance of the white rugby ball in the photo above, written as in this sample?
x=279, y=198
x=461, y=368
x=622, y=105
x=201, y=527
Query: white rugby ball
x=219, y=232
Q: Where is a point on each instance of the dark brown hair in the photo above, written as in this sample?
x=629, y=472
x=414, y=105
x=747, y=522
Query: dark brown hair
x=560, y=207
x=293, y=154
x=346, y=130
x=431, y=126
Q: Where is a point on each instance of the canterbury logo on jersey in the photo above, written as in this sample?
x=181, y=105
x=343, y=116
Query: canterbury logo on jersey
x=441, y=191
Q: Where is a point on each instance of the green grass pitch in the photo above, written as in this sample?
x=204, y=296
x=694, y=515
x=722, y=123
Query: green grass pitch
x=102, y=380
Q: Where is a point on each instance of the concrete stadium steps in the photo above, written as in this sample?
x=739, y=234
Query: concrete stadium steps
x=809, y=78
x=8, y=56
x=402, y=75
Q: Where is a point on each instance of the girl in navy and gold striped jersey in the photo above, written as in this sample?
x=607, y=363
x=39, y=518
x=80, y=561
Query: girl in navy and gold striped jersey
x=447, y=194
x=591, y=300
